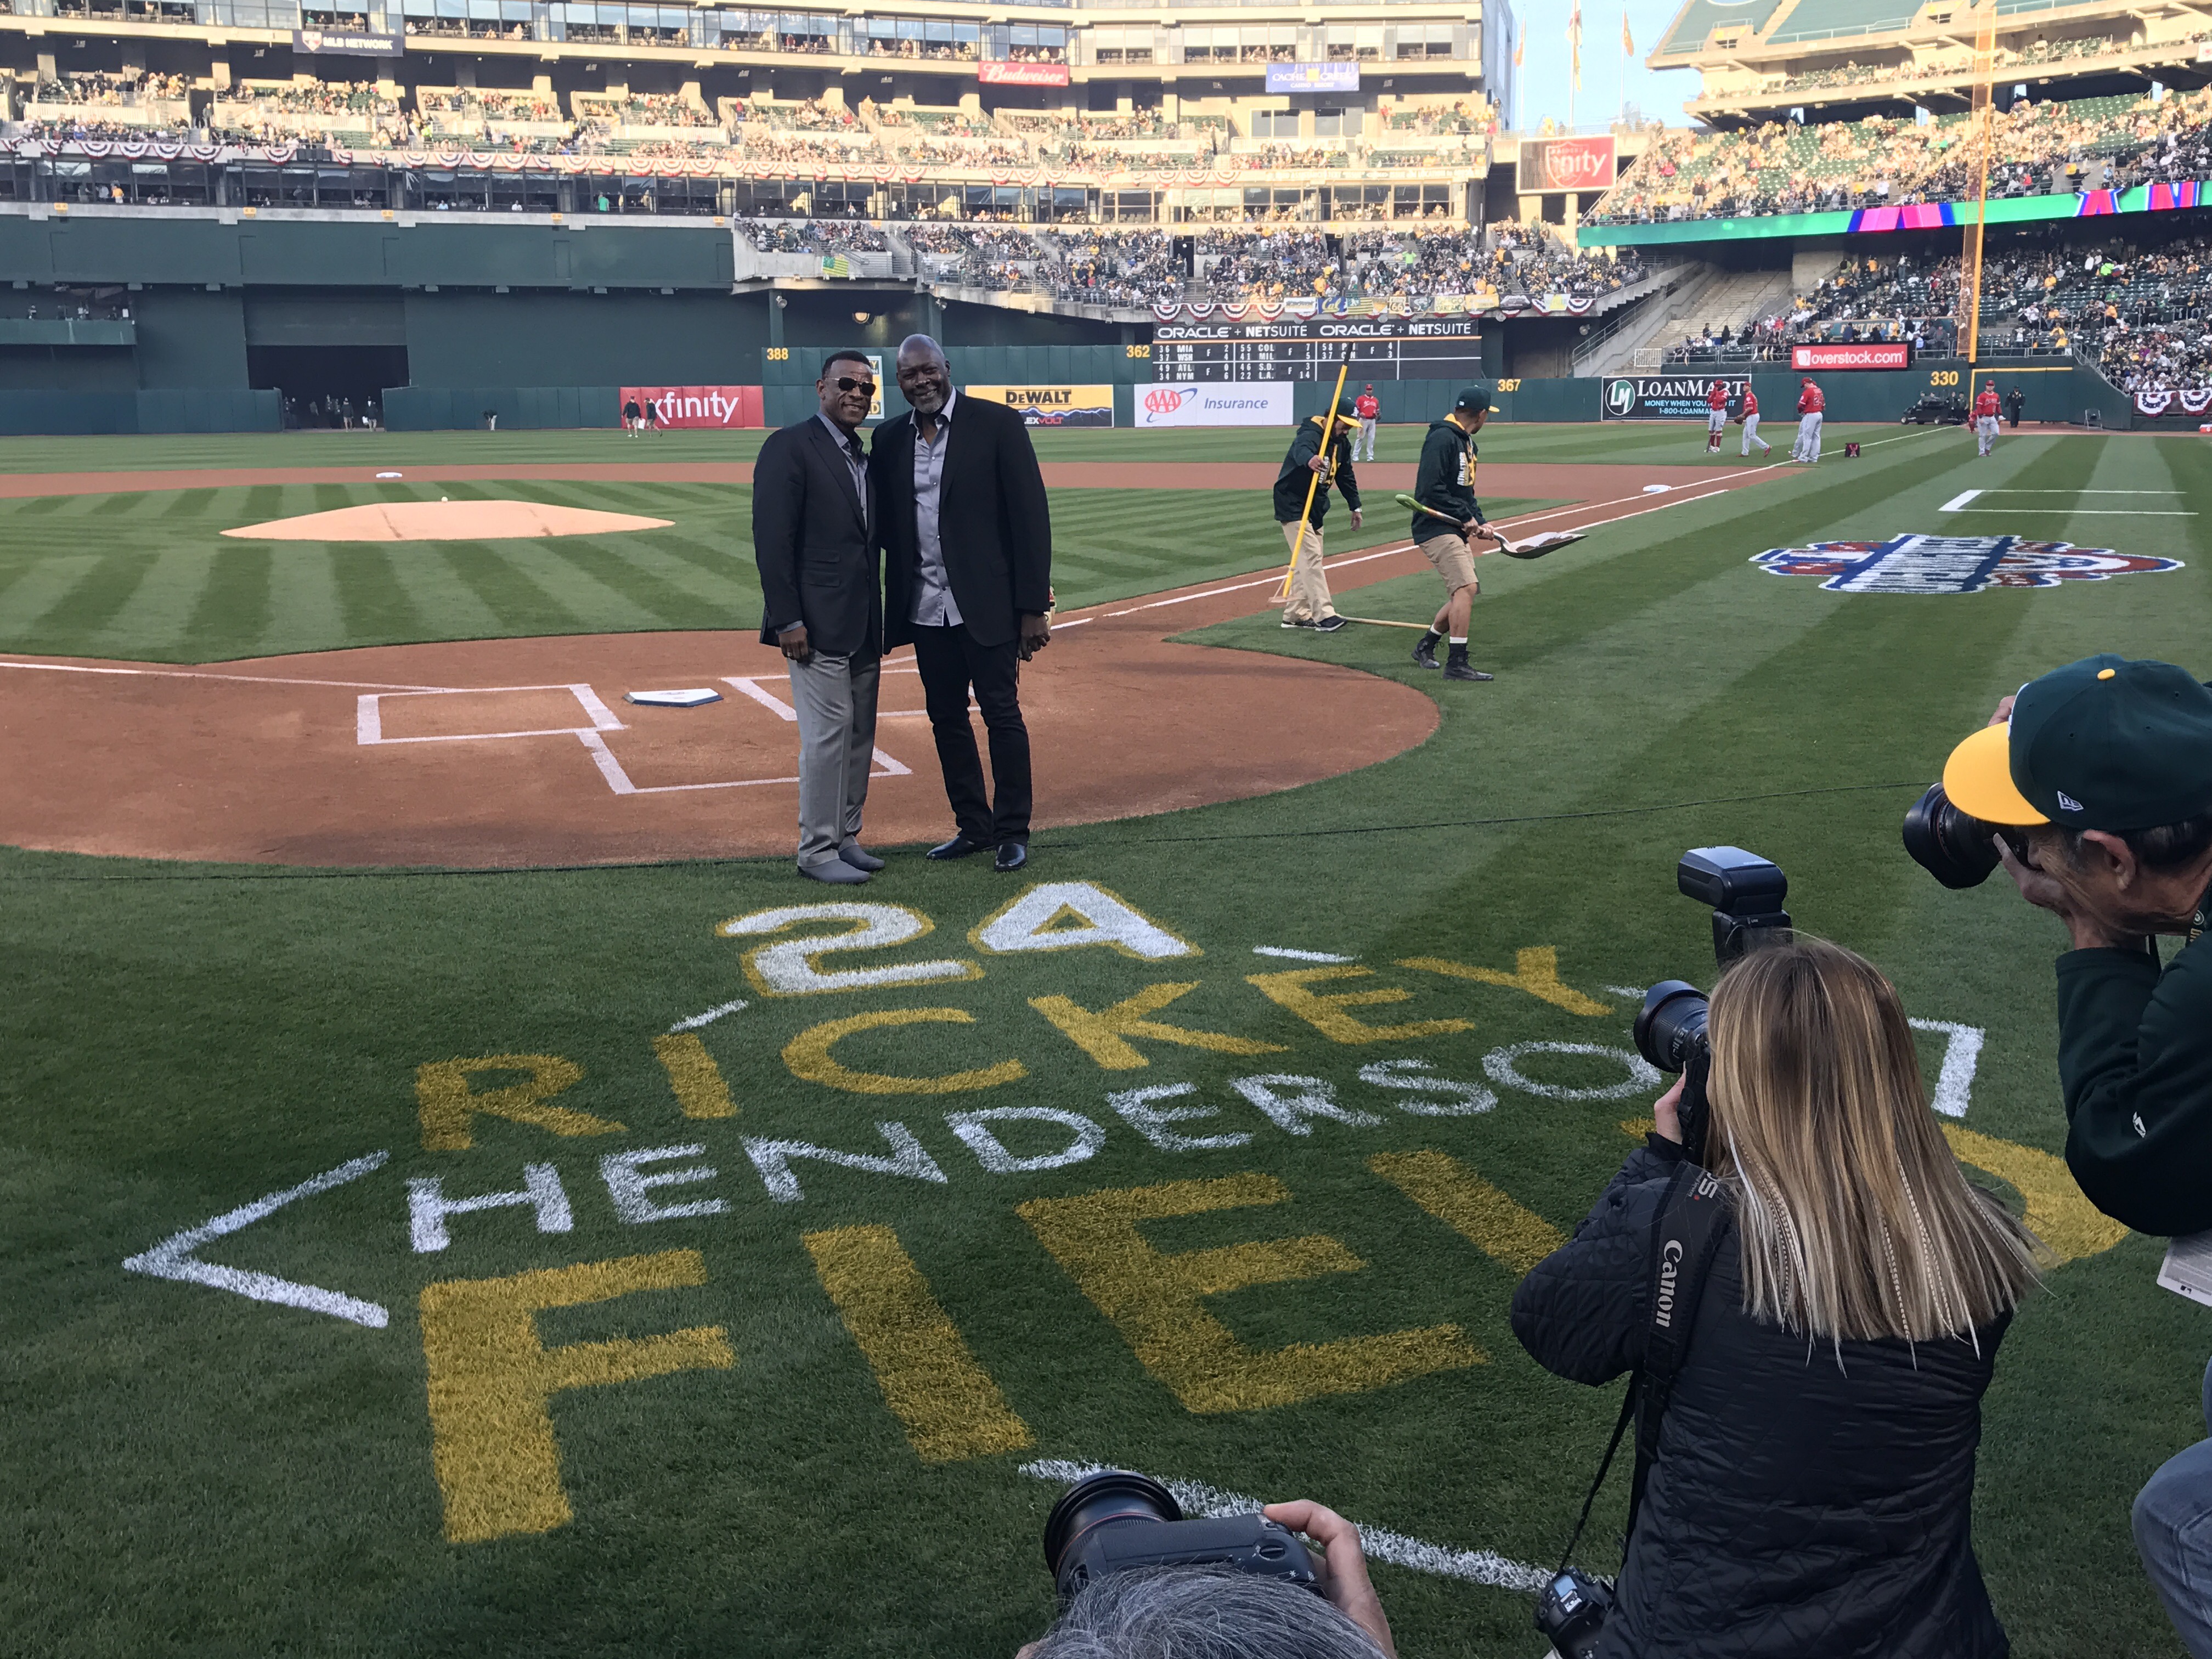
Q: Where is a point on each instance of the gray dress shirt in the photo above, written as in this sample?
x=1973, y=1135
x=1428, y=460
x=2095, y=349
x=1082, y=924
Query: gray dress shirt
x=934, y=604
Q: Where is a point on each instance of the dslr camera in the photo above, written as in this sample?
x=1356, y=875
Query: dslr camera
x=1115, y=1521
x=1746, y=892
x=1955, y=846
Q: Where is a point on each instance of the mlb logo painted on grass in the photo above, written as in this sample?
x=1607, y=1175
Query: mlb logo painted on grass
x=1917, y=563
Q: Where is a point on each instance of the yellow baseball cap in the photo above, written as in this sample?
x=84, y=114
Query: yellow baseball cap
x=1979, y=780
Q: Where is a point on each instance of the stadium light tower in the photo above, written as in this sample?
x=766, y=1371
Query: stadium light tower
x=1969, y=259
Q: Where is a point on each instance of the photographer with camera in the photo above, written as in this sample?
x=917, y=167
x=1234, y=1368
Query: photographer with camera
x=1827, y=1293
x=1137, y=1581
x=2092, y=786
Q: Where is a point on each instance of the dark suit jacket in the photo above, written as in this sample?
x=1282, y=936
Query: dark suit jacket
x=992, y=522
x=814, y=540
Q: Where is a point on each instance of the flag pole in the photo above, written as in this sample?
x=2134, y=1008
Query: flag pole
x=1328, y=426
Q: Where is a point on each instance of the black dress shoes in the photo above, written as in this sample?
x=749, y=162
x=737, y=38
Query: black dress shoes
x=958, y=847
x=1013, y=854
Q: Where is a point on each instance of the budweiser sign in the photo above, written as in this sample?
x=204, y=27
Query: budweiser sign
x=1870, y=354
x=995, y=72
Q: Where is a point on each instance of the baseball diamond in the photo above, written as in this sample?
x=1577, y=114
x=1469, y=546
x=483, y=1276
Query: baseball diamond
x=764, y=789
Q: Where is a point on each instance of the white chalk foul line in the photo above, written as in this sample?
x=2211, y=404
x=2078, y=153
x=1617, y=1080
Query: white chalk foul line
x=1299, y=956
x=176, y=1256
x=234, y=680
x=706, y=1019
x=1958, y=502
x=1381, y=1544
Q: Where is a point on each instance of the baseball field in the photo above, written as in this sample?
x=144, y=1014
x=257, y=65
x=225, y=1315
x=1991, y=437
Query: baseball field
x=465, y=1195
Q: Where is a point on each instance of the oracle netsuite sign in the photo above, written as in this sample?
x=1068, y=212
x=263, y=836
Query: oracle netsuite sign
x=1868, y=353
x=1313, y=77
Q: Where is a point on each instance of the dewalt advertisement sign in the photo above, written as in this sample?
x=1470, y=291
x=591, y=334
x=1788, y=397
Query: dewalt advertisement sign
x=1052, y=406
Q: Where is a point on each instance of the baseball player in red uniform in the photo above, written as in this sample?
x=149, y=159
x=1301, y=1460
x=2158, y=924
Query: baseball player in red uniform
x=1751, y=424
x=1716, y=416
x=1986, y=417
x=1810, y=407
x=1369, y=407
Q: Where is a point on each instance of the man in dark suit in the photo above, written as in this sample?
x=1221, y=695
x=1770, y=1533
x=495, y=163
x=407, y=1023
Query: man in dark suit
x=967, y=542
x=814, y=538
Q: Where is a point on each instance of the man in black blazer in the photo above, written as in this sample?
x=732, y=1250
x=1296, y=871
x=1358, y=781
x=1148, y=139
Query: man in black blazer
x=814, y=538
x=967, y=541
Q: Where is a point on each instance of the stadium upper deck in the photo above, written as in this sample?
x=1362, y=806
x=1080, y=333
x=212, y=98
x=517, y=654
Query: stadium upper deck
x=1838, y=60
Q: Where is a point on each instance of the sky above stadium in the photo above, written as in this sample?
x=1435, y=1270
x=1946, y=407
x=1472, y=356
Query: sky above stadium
x=1545, y=79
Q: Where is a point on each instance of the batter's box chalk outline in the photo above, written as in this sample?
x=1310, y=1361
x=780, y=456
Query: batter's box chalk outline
x=369, y=732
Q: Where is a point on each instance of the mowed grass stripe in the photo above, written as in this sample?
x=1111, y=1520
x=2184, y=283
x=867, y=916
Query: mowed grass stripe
x=439, y=593
x=598, y=582
x=92, y=602
x=233, y=614
x=161, y=604
x=376, y=605
x=36, y=590
x=307, y=600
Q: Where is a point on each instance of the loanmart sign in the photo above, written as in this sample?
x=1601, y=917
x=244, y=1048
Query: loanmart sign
x=1678, y=397
x=1869, y=354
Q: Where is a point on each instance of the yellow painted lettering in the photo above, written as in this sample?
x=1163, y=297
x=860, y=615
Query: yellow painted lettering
x=491, y=1382
x=1535, y=970
x=1157, y=1298
x=1103, y=1034
x=2058, y=1213
x=948, y=1405
x=809, y=1057
x=1324, y=1011
x=1453, y=1193
x=446, y=1102
x=692, y=1073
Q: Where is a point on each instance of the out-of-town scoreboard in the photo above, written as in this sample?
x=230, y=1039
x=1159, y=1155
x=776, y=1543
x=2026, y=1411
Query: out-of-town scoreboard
x=1381, y=349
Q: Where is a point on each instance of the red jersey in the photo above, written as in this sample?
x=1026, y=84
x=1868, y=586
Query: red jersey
x=1985, y=402
x=1718, y=397
x=1367, y=405
x=1750, y=400
x=1809, y=401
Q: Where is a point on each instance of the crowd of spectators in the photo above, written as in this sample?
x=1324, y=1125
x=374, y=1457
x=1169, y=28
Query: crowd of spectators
x=2036, y=148
x=101, y=87
x=816, y=236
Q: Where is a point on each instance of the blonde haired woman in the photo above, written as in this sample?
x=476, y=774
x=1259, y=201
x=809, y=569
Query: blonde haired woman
x=1812, y=1488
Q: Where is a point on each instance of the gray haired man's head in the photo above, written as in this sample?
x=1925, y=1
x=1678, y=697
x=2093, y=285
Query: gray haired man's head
x=1200, y=1613
x=924, y=378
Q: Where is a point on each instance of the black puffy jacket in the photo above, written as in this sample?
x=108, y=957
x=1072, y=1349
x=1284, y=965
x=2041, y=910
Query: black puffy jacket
x=1796, y=1509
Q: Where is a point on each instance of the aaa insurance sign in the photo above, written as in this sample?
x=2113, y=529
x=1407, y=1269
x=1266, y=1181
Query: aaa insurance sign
x=1220, y=402
x=1675, y=397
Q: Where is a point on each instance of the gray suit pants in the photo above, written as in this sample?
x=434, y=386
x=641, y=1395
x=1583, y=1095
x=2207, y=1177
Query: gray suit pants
x=836, y=698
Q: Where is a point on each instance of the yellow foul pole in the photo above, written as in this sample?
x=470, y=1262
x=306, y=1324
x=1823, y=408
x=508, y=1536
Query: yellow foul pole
x=1327, y=427
x=1970, y=261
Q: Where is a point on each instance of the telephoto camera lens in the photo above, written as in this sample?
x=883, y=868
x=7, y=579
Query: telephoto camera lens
x=1110, y=1497
x=1116, y=1522
x=1957, y=850
x=1670, y=1027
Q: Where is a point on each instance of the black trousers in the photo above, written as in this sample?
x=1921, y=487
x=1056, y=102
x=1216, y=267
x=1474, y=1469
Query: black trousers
x=951, y=663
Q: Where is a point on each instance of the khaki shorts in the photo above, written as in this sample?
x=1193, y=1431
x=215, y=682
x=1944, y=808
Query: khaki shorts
x=1452, y=561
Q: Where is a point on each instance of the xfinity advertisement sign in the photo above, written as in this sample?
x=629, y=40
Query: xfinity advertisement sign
x=1672, y=397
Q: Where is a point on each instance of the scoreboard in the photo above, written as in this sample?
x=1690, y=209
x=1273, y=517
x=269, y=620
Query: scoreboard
x=1381, y=349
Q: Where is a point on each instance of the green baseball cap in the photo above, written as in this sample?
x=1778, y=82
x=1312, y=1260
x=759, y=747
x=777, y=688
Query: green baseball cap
x=1474, y=400
x=1344, y=411
x=2101, y=744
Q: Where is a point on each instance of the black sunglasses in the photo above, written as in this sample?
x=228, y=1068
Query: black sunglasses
x=847, y=383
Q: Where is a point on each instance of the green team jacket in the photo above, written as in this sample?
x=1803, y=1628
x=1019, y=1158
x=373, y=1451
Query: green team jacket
x=1290, y=483
x=1445, y=480
x=2134, y=1058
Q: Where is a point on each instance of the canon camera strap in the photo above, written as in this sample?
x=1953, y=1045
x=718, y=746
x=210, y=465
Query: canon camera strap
x=1693, y=1219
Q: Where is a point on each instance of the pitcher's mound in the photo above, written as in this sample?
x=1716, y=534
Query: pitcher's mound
x=444, y=521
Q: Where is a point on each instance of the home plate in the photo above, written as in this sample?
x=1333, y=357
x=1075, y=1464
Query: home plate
x=690, y=699
x=445, y=521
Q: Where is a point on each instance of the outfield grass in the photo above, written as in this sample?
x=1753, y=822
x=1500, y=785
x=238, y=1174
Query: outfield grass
x=149, y=577
x=1642, y=442
x=201, y=1474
